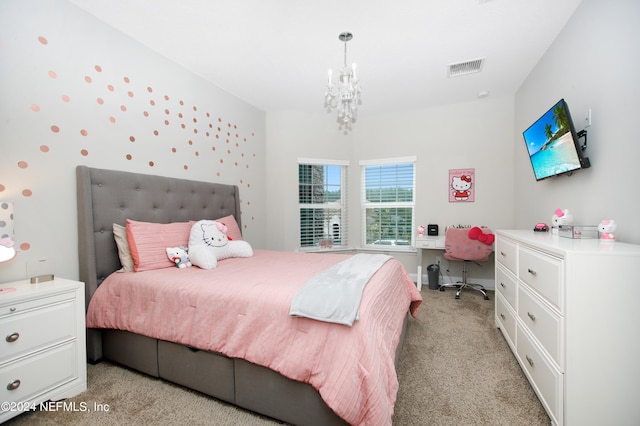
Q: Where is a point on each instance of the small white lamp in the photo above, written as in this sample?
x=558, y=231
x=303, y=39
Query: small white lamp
x=7, y=251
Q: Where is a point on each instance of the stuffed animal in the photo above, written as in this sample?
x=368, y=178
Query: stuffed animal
x=607, y=229
x=208, y=243
x=560, y=217
x=179, y=256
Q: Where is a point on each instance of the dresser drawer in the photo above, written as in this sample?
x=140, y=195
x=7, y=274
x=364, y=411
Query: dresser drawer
x=28, y=330
x=542, y=273
x=506, y=286
x=546, y=380
x=40, y=373
x=542, y=322
x=506, y=320
x=507, y=254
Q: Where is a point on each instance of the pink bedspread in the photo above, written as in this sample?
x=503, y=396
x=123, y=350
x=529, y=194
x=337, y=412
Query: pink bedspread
x=241, y=309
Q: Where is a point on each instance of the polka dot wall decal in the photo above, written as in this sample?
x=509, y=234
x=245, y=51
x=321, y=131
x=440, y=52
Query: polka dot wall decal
x=181, y=102
x=111, y=88
x=218, y=174
x=123, y=108
x=84, y=132
x=100, y=101
x=55, y=129
x=166, y=122
x=219, y=121
x=130, y=94
x=84, y=152
x=166, y=111
x=87, y=79
x=2, y=187
x=52, y=74
x=174, y=150
x=180, y=114
x=129, y=157
x=146, y=113
x=25, y=246
x=44, y=148
x=151, y=163
x=186, y=167
x=65, y=98
x=166, y=97
x=183, y=126
x=195, y=108
x=112, y=120
x=23, y=164
x=149, y=89
x=35, y=108
x=155, y=132
x=132, y=139
x=126, y=80
x=152, y=102
x=98, y=68
x=27, y=192
x=43, y=40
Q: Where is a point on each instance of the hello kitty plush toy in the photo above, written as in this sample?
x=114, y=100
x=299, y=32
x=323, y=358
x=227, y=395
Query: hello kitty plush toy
x=421, y=231
x=179, y=256
x=560, y=217
x=606, y=228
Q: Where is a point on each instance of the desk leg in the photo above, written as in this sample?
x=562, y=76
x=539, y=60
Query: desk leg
x=419, y=279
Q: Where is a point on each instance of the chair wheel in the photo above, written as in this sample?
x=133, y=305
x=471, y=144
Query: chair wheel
x=441, y=288
x=457, y=296
x=486, y=298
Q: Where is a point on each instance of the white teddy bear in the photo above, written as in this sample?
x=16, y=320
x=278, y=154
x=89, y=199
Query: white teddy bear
x=607, y=229
x=208, y=243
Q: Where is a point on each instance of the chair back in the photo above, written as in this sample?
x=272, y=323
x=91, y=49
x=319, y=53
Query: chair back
x=458, y=245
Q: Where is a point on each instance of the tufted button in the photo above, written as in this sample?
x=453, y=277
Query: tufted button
x=102, y=231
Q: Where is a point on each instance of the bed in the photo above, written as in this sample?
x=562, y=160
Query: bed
x=270, y=375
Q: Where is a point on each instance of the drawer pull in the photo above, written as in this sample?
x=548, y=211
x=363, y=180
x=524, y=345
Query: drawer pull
x=502, y=285
x=502, y=315
x=530, y=315
x=12, y=337
x=13, y=385
x=531, y=271
x=529, y=360
x=13, y=309
x=503, y=254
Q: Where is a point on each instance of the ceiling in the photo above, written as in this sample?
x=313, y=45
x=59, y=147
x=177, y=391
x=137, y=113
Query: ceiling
x=274, y=54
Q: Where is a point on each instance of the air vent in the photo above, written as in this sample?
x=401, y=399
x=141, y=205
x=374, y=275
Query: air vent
x=466, y=67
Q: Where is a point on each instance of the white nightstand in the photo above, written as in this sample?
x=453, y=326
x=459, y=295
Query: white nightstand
x=42, y=344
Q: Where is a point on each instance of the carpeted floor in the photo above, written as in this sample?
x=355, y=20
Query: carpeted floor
x=455, y=369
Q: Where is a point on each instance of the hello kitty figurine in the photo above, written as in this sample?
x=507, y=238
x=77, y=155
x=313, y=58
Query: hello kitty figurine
x=606, y=228
x=560, y=217
x=421, y=231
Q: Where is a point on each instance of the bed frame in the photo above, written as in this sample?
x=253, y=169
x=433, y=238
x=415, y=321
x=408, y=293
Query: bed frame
x=106, y=197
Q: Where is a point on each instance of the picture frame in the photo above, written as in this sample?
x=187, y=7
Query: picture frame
x=462, y=183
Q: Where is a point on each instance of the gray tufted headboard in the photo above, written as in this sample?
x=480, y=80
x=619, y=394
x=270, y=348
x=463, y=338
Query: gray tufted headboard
x=106, y=197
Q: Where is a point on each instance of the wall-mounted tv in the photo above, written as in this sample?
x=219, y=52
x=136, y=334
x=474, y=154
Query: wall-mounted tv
x=553, y=145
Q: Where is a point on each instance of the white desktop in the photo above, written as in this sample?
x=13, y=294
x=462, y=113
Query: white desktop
x=426, y=242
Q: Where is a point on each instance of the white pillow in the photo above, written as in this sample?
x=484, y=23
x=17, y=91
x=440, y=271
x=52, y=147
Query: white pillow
x=208, y=243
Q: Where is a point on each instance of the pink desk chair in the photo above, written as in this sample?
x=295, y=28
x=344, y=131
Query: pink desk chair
x=467, y=245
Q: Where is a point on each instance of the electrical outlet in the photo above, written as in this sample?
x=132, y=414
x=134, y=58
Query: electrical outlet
x=438, y=259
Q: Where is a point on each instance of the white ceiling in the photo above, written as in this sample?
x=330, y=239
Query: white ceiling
x=274, y=54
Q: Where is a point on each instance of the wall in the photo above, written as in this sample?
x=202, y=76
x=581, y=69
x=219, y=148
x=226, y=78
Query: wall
x=76, y=91
x=470, y=135
x=593, y=64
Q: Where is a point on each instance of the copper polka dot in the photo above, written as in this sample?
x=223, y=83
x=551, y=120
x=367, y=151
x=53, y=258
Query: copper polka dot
x=166, y=97
x=186, y=167
x=98, y=68
x=219, y=129
x=27, y=192
x=195, y=130
x=174, y=150
x=195, y=120
x=100, y=101
x=152, y=102
x=151, y=163
x=25, y=246
x=84, y=132
x=213, y=148
x=65, y=98
x=23, y=164
x=130, y=94
x=43, y=40
x=155, y=132
x=183, y=126
x=166, y=111
x=236, y=164
x=208, y=115
x=197, y=154
x=112, y=120
x=218, y=174
x=166, y=122
x=84, y=152
x=132, y=139
x=149, y=89
x=195, y=108
x=253, y=134
x=180, y=114
x=219, y=121
x=190, y=142
x=129, y=157
x=2, y=187
x=217, y=136
x=181, y=102
x=110, y=88
x=52, y=74
x=87, y=79
x=123, y=108
x=228, y=124
x=55, y=129
x=221, y=161
x=44, y=148
x=126, y=80
x=35, y=108
x=146, y=114
x=207, y=133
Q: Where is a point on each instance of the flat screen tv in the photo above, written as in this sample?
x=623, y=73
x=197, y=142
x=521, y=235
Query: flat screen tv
x=553, y=145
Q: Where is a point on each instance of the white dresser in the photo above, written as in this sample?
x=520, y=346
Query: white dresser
x=42, y=344
x=570, y=312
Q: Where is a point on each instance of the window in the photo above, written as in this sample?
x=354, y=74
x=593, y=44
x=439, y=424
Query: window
x=388, y=202
x=322, y=199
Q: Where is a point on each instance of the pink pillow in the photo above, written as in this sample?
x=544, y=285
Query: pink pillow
x=233, y=230
x=148, y=242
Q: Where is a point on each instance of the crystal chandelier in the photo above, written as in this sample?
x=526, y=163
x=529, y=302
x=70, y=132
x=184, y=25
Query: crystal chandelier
x=345, y=94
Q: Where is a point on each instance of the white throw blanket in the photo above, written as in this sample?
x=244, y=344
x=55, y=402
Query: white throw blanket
x=334, y=295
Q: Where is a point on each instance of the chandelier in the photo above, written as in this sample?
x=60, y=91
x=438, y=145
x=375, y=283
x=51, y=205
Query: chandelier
x=345, y=94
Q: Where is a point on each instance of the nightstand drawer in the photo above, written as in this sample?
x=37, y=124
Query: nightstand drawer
x=39, y=373
x=507, y=254
x=544, y=324
x=545, y=379
x=542, y=273
x=35, y=329
x=506, y=286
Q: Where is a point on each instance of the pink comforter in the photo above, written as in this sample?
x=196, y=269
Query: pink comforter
x=241, y=309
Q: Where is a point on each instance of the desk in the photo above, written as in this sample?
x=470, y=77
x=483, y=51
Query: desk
x=426, y=243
